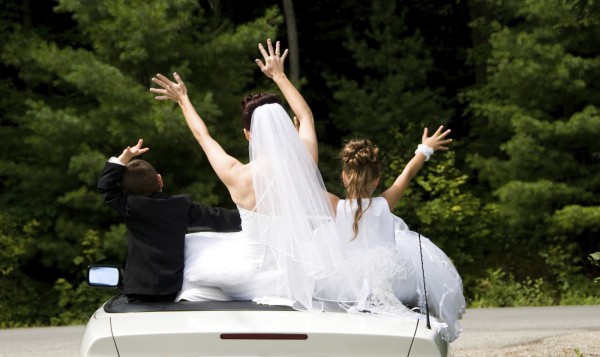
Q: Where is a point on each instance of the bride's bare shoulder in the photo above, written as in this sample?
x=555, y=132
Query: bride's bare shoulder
x=241, y=189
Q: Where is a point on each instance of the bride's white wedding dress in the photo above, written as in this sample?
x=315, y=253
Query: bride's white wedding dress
x=244, y=266
x=229, y=266
x=385, y=254
x=288, y=244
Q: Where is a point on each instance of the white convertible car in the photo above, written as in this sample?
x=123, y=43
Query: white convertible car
x=239, y=328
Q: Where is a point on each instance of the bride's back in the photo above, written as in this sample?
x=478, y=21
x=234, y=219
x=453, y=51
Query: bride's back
x=242, y=192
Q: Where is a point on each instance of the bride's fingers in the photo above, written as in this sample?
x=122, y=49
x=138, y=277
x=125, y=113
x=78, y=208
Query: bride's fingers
x=158, y=90
x=160, y=82
x=164, y=79
x=177, y=78
x=162, y=97
x=260, y=64
x=270, y=47
x=439, y=131
x=277, y=48
x=284, y=55
x=262, y=50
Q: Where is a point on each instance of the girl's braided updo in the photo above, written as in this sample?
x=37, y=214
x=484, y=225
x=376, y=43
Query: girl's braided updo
x=360, y=168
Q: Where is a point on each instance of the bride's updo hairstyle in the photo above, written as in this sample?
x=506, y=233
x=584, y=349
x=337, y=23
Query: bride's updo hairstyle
x=360, y=166
x=254, y=101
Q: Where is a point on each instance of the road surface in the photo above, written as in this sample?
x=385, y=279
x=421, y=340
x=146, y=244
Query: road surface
x=528, y=331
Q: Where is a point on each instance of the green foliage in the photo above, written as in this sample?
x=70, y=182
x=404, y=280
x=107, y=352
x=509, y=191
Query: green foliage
x=451, y=216
x=79, y=95
x=595, y=259
x=20, y=298
x=499, y=289
x=387, y=94
x=536, y=119
x=582, y=292
x=514, y=203
x=74, y=306
x=15, y=244
x=389, y=101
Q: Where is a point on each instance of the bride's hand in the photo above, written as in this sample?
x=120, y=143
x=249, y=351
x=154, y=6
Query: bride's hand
x=438, y=140
x=273, y=65
x=170, y=90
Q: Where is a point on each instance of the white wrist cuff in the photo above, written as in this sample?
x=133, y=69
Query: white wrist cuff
x=115, y=160
x=427, y=151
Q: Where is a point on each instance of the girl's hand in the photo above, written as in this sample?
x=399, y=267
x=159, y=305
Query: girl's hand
x=438, y=140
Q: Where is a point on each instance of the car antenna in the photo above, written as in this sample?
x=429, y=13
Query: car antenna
x=424, y=286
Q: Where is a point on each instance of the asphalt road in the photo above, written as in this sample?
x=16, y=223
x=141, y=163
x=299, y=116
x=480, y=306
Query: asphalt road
x=528, y=331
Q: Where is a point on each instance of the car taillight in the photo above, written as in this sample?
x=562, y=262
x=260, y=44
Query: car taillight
x=264, y=336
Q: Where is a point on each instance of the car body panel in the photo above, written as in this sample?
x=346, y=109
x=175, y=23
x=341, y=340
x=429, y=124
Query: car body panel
x=244, y=328
x=428, y=342
x=199, y=333
x=186, y=333
x=97, y=339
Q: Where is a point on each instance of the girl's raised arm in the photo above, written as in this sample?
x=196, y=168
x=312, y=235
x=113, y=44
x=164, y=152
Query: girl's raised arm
x=429, y=144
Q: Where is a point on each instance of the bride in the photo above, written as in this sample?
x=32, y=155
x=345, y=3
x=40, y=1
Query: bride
x=288, y=244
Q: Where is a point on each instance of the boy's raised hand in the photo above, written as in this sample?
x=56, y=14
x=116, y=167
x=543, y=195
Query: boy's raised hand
x=131, y=152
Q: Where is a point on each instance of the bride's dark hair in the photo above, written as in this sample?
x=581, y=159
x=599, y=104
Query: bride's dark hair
x=360, y=165
x=254, y=101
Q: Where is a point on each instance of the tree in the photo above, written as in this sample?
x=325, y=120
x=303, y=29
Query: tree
x=389, y=100
x=77, y=93
x=537, y=118
x=292, y=37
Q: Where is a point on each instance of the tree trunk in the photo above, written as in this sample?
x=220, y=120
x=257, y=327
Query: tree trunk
x=292, y=37
x=27, y=15
x=479, y=38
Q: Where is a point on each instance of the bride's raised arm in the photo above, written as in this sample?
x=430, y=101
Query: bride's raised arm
x=273, y=68
x=223, y=164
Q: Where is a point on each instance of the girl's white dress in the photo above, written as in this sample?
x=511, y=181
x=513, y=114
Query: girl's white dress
x=385, y=255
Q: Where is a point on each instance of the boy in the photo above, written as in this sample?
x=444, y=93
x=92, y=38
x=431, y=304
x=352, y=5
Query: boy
x=156, y=225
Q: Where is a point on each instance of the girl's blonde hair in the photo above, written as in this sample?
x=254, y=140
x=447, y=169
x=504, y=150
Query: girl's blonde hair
x=360, y=167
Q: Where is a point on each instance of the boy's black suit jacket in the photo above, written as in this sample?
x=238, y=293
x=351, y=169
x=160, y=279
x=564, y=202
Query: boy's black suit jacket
x=156, y=228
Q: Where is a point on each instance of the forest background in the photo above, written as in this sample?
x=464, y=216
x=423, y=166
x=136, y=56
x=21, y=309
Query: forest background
x=515, y=202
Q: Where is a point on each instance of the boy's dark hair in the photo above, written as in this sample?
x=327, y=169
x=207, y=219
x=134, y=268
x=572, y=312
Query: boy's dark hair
x=139, y=178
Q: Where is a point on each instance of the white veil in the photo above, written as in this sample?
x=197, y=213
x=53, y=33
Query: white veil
x=295, y=218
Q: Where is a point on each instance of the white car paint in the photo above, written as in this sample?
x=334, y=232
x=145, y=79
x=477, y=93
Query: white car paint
x=256, y=333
